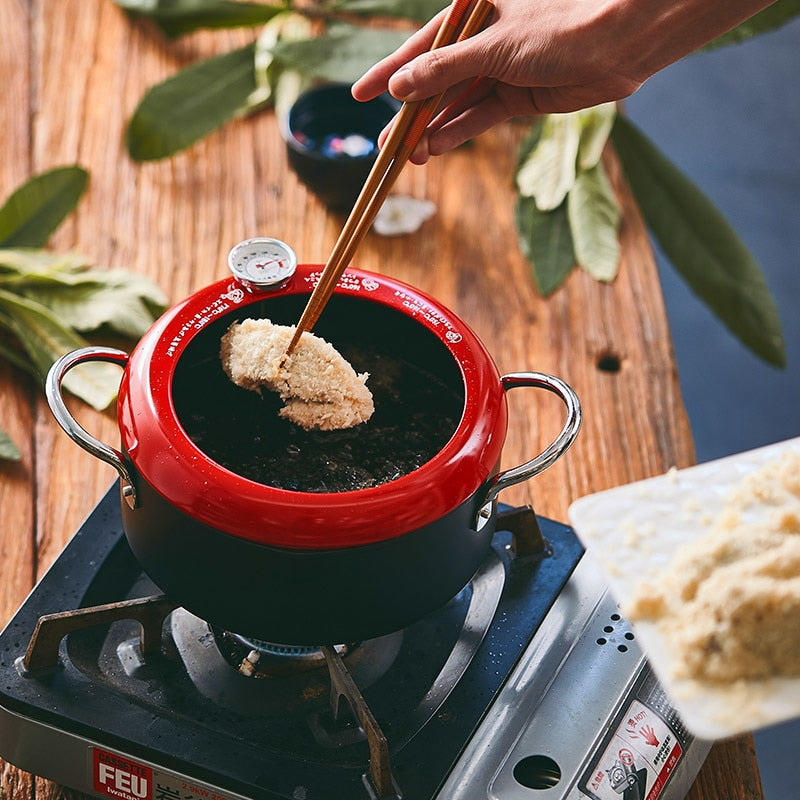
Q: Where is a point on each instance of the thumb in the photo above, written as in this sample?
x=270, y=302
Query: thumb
x=435, y=71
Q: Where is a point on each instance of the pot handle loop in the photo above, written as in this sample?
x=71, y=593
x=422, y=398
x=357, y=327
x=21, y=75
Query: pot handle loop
x=547, y=457
x=78, y=434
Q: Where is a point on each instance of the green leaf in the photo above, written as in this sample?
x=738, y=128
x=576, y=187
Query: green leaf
x=596, y=124
x=8, y=450
x=342, y=55
x=38, y=207
x=196, y=101
x=415, y=10
x=771, y=18
x=22, y=265
x=15, y=355
x=42, y=336
x=289, y=85
x=594, y=223
x=549, y=171
x=45, y=339
x=530, y=141
x=83, y=298
x=269, y=74
x=178, y=17
x=114, y=302
x=546, y=242
x=701, y=244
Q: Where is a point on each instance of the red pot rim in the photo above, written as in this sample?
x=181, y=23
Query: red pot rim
x=164, y=456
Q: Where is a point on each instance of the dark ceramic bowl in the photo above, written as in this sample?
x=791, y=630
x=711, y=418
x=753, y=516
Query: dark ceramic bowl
x=331, y=141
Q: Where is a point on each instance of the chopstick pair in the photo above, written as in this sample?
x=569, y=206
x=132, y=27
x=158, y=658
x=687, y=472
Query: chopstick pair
x=402, y=139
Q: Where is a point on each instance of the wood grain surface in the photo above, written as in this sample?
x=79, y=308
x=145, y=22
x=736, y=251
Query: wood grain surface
x=72, y=73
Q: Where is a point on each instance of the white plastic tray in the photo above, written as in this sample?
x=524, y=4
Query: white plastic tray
x=665, y=512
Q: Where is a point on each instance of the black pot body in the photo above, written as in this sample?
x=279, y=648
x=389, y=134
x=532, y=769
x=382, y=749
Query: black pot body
x=304, y=597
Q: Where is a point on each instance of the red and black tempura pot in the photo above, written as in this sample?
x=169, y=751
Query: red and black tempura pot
x=311, y=537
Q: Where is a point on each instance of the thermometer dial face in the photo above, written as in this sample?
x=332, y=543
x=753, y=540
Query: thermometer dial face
x=262, y=262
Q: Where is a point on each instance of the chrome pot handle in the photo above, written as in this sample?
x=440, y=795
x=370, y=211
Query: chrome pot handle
x=78, y=434
x=547, y=457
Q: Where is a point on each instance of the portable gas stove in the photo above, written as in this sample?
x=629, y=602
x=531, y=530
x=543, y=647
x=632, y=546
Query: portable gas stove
x=528, y=684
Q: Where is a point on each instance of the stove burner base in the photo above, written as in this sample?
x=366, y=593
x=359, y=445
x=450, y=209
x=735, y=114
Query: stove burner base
x=537, y=703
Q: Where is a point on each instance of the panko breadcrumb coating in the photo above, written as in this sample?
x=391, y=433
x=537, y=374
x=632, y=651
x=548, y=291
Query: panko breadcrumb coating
x=729, y=601
x=319, y=388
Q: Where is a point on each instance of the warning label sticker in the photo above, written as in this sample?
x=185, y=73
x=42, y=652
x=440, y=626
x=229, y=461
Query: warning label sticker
x=117, y=776
x=638, y=760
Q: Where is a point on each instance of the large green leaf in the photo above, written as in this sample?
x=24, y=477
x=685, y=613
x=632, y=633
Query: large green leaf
x=546, y=241
x=42, y=336
x=701, y=244
x=8, y=450
x=343, y=54
x=530, y=141
x=416, y=10
x=178, y=17
x=272, y=79
x=596, y=124
x=20, y=266
x=12, y=352
x=83, y=298
x=114, y=303
x=594, y=216
x=771, y=18
x=37, y=207
x=45, y=339
x=548, y=172
x=196, y=101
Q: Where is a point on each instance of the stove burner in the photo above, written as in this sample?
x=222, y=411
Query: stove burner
x=214, y=662
x=256, y=658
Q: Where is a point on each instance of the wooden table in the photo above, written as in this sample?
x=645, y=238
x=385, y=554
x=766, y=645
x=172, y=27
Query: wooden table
x=74, y=70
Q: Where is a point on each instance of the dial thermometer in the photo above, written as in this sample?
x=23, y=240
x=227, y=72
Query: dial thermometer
x=261, y=263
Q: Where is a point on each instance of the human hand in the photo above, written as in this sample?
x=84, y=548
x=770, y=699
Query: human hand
x=544, y=56
x=523, y=69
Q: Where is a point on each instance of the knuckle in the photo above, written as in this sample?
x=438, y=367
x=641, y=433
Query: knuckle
x=435, y=65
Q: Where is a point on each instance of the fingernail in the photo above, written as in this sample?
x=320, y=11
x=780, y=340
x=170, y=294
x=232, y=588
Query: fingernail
x=401, y=85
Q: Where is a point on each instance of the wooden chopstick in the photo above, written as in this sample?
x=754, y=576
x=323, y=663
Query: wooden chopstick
x=400, y=143
x=425, y=110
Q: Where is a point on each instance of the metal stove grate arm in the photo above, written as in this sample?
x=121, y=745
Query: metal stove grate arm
x=149, y=612
x=343, y=687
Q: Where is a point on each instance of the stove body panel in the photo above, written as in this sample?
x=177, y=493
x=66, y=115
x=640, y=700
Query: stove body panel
x=109, y=721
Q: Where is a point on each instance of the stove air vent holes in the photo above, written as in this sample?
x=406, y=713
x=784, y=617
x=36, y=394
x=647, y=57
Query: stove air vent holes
x=541, y=771
x=616, y=633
